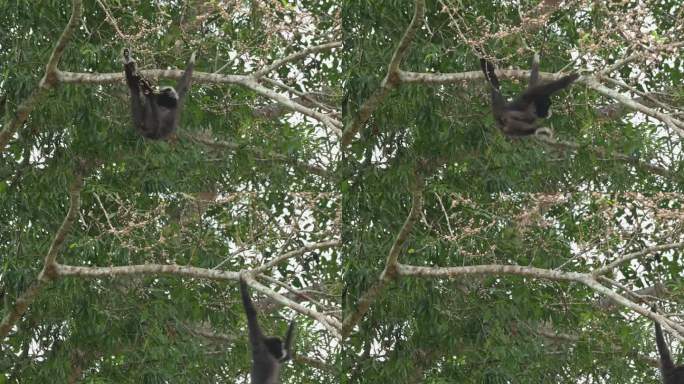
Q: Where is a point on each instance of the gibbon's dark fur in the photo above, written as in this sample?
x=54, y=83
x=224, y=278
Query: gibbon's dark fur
x=268, y=352
x=155, y=113
x=518, y=117
x=672, y=374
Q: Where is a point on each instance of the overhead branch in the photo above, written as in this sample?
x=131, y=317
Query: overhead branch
x=389, y=274
x=295, y=56
x=460, y=77
x=391, y=80
x=48, y=273
x=589, y=81
x=48, y=81
x=616, y=110
x=145, y=269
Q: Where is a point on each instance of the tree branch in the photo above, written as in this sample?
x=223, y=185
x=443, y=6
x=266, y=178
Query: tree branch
x=390, y=271
x=48, y=81
x=204, y=77
x=673, y=123
x=48, y=273
x=539, y=273
x=145, y=269
x=634, y=255
x=391, y=80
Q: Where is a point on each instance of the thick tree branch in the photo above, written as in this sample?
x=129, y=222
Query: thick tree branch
x=145, y=269
x=48, y=81
x=331, y=123
x=202, y=273
x=391, y=80
x=48, y=273
x=591, y=82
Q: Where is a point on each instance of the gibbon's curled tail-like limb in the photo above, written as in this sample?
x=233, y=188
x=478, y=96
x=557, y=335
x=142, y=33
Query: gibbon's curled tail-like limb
x=671, y=373
x=519, y=117
x=155, y=112
x=268, y=352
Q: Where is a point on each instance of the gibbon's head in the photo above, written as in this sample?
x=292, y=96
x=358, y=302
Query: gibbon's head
x=275, y=348
x=167, y=97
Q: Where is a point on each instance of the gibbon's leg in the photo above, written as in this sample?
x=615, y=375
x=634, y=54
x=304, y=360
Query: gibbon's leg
x=544, y=131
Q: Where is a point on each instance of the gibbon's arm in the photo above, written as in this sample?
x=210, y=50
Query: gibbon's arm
x=534, y=71
x=133, y=82
x=488, y=70
x=288, y=340
x=498, y=101
x=665, y=359
x=255, y=335
x=183, y=84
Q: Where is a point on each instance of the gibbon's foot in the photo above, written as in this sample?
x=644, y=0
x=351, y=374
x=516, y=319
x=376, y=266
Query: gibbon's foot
x=543, y=131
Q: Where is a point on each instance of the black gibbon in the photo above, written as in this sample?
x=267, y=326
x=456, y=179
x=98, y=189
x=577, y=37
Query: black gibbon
x=156, y=113
x=518, y=117
x=268, y=352
x=672, y=374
